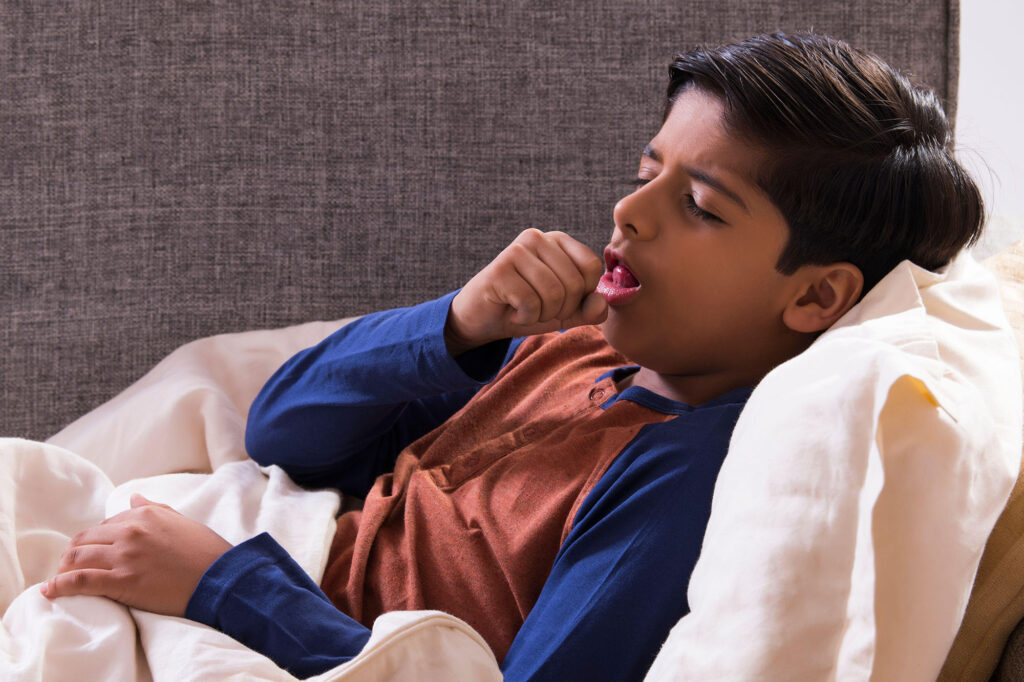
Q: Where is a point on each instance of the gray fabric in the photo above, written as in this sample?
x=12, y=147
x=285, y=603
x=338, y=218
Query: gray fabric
x=171, y=169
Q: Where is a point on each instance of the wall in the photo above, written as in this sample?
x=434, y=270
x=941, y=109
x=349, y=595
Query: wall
x=989, y=123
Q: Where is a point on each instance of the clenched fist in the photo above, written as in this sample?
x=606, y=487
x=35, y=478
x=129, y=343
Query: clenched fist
x=541, y=282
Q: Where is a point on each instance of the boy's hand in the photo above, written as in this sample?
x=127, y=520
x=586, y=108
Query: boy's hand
x=542, y=282
x=150, y=557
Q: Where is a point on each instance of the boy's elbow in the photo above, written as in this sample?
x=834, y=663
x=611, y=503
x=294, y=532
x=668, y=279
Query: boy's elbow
x=258, y=440
x=252, y=443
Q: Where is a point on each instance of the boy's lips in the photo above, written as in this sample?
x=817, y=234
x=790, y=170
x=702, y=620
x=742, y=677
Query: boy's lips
x=618, y=284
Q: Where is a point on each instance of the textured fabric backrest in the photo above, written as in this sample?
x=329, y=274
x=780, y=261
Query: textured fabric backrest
x=173, y=169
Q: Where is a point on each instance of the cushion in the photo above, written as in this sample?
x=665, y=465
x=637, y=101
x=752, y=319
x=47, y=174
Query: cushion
x=862, y=481
x=996, y=605
x=175, y=170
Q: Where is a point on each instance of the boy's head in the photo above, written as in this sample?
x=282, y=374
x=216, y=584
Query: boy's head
x=789, y=175
x=859, y=161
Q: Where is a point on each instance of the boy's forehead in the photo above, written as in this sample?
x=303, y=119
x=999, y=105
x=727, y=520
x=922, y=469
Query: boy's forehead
x=695, y=135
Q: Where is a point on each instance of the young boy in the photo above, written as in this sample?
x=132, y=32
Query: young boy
x=552, y=488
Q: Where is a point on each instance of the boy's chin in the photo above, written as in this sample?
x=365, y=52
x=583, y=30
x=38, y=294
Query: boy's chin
x=614, y=334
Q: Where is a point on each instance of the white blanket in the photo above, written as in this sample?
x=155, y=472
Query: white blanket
x=186, y=415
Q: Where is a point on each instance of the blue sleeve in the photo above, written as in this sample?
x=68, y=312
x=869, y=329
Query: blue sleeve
x=619, y=582
x=256, y=593
x=337, y=414
x=617, y=587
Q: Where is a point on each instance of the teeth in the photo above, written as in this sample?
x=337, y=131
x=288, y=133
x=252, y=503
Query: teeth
x=624, y=278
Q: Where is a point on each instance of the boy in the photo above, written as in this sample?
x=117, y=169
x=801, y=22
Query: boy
x=553, y=490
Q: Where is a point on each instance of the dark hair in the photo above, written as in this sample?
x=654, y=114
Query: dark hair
x=859, y=160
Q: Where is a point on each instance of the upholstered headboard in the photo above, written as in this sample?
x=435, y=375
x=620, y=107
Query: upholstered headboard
x=179, y=168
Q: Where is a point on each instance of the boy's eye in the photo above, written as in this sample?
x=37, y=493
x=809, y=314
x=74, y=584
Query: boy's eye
x=692, y=207
x=691, y=204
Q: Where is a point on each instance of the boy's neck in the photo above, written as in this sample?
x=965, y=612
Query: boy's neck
x=697, y=389
x=691, y=390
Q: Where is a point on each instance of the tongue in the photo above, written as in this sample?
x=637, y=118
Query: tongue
x=624, y=278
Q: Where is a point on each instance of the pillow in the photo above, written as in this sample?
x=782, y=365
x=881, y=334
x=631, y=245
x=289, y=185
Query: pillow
x=997, y=600
x=862, y=481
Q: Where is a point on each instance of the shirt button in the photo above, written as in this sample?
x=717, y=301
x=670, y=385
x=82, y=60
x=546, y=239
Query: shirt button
x=596, y=393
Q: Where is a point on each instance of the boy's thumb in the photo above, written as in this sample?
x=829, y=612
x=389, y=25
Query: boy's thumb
x=594, y=308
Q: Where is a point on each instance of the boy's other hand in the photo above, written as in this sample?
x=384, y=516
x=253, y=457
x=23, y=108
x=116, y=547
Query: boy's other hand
x=541, y=282
x=150, y=557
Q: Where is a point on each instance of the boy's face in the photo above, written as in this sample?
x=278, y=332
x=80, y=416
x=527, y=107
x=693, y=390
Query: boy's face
x=694, y=295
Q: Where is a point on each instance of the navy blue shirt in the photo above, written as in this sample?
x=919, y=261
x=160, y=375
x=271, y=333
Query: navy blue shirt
x=339, y=414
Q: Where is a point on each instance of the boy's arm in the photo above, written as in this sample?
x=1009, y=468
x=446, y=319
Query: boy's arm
x=339, y=413
x=258, y=595
x=153, y=558
x=617, y=586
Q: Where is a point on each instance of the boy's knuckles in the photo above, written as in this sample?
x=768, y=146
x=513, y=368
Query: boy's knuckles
x=527, y=310
x=70, y=557
x=125, y=577
x=133, y=531
x=519, y=251
x=530, y=235
x=592, y=270
x=575, y=286
x=148, y=511
x=77, y=581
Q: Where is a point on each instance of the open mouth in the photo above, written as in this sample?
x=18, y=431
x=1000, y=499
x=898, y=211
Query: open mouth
x=618, y=284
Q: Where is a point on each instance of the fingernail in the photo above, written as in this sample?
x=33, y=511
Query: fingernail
x=45, y=589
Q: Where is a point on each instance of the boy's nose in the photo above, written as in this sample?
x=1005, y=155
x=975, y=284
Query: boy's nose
x=634, y=215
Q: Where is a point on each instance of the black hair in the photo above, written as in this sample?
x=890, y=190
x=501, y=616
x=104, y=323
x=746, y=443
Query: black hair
x=858, y=159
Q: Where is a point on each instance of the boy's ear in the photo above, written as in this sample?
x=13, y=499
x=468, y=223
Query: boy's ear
x=824, y=295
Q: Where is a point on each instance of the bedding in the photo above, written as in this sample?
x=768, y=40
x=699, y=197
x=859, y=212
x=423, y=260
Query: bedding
x=175, y=436
x=862, y=481
x=996, y=607
x=903, y=426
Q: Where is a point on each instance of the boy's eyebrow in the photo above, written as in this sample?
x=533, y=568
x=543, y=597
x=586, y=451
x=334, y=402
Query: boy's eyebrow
x=701, y=177
x=651, y=153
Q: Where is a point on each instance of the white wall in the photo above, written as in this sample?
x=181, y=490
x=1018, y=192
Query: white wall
x=990, y=114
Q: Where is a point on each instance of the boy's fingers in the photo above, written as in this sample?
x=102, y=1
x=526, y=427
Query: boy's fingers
x=91, y=581
x=542, y=283
x=570, y=277
x=553, y=282
x=593, y=311
x=103, y=534
x=85, y=556
x=539, y=298
x=580, y=269
x=536, y=284
x=517, y=293
x=590, y=265
x=562, y=270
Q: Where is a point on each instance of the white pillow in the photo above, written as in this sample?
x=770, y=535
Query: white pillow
x=861, y=483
